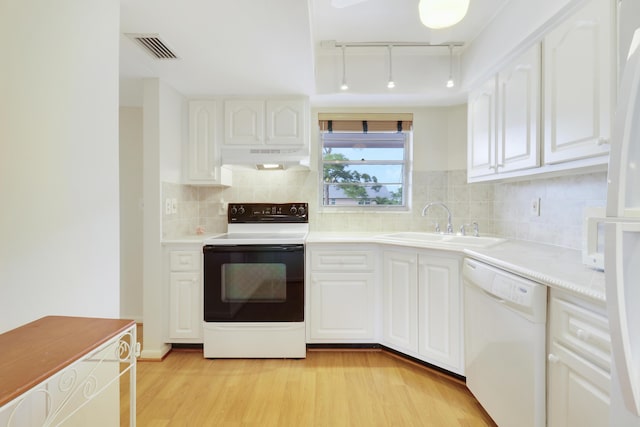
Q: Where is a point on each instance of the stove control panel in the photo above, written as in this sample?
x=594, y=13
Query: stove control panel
x=268, y=213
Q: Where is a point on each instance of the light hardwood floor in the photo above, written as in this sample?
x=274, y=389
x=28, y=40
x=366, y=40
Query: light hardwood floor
x=328, y=388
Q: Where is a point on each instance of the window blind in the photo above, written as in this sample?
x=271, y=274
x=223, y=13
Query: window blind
x=365, y=123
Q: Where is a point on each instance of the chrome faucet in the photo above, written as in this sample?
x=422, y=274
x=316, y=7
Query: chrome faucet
x=476, y=231
x=449, y=225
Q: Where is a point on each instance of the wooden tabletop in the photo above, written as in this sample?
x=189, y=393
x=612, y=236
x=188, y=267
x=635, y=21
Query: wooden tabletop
x=34, y=352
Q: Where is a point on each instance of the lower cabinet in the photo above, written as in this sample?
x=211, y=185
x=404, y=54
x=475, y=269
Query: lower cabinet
x=422, y=306
x=579, y=362
x=341, y=290
x=185, y=299
x=399, y=300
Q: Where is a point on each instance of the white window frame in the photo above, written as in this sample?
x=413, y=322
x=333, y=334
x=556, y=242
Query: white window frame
x=406, y=184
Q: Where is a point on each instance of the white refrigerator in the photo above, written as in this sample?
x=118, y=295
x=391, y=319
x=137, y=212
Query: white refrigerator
x=622, y=246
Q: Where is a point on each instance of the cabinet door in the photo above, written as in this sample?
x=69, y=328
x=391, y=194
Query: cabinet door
x=185, y=305
x=518, y=140
x=286, y=122
x=577, y=392
x=439, y=301
x=400, y=307
x=578, y=82
x=202, y=164
x=481, y=155
x=342, y=306
x=244, y=122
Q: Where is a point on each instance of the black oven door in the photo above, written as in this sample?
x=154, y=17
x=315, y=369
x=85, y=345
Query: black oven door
x=254, y=283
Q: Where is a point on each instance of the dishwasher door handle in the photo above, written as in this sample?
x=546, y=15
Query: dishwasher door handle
x=493, y=296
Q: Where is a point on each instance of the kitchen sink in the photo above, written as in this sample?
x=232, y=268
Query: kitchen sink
x=411, y=235
x=442, y=239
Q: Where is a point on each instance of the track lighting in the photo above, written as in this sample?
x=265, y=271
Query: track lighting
x=390, y=84
x=389, y=46
x=450, y=82
x=442, y=13
x=344, y=85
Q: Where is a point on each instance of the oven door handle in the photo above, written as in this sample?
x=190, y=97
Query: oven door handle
x=253, y=248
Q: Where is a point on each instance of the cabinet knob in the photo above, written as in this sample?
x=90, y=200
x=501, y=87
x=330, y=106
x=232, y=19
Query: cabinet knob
x=552, y=358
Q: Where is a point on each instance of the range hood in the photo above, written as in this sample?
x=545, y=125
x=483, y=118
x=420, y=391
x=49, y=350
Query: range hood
x=258, y=157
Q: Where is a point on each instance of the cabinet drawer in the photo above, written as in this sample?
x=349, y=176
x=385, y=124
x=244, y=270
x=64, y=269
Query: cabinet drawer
x=184, y=260
x=342, y=260
x=582, y=330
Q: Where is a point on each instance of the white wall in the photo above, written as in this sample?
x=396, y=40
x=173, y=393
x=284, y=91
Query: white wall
x=173, y=129
x=131, y=213
x=163, y=130
x=59, y=224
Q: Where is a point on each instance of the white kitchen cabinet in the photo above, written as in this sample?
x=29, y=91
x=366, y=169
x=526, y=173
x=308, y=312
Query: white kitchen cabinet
x=185, y=299
x=341, y=293
x=400, y=303
x=579, y=84
x=439, y=311
x=273, y=122
x=481, y=117
x=504, y=119
x=243, y=122
x=203, y=162
x=579, y=362
x=518, y=118
x=422, y=306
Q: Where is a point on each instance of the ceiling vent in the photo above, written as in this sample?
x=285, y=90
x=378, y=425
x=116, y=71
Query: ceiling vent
x=153, y=45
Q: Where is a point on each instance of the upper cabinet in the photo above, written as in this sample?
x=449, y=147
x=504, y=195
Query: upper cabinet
x=481, y=128
x=273, y=122
x=503, y=119
x=579, y=71
x=518, y=115
x=511, y=133
x=243, y=122
x=203, y=163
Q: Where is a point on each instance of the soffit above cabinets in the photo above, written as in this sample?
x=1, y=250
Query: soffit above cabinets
x=259, y=47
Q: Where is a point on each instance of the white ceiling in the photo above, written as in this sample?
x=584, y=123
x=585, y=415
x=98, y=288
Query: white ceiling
x=267, y=47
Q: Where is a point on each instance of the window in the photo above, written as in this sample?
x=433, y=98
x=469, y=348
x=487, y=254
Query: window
x=364, y=168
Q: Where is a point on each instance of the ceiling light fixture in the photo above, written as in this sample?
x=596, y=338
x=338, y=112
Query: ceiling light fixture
x=442, y=13
x=344, y=85
x=269, y=166
x=390, y=84
x=450, y=82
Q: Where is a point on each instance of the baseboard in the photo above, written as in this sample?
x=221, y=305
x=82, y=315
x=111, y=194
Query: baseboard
x=396, y=354
x=360, y=346
x=433, y=368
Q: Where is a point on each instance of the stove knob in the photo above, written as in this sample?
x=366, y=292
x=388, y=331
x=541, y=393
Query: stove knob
x=234, y=210
x=293, y=210
x=241, y=210
x=301, y=210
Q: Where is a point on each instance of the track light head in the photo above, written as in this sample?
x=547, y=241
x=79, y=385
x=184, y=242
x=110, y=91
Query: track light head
x=450, y=82
x=344, y=86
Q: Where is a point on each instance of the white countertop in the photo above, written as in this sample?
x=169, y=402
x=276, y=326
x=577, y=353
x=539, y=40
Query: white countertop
x=551, y=265
x=189, y=238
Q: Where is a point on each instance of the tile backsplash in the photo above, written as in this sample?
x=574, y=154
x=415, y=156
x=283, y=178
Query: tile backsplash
x=499, y=208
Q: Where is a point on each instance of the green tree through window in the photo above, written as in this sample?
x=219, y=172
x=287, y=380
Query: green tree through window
x=361, y=169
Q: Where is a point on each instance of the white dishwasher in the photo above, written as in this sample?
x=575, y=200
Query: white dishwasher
x=504, y=331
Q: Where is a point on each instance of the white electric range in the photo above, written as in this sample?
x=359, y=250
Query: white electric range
x=254, y=283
